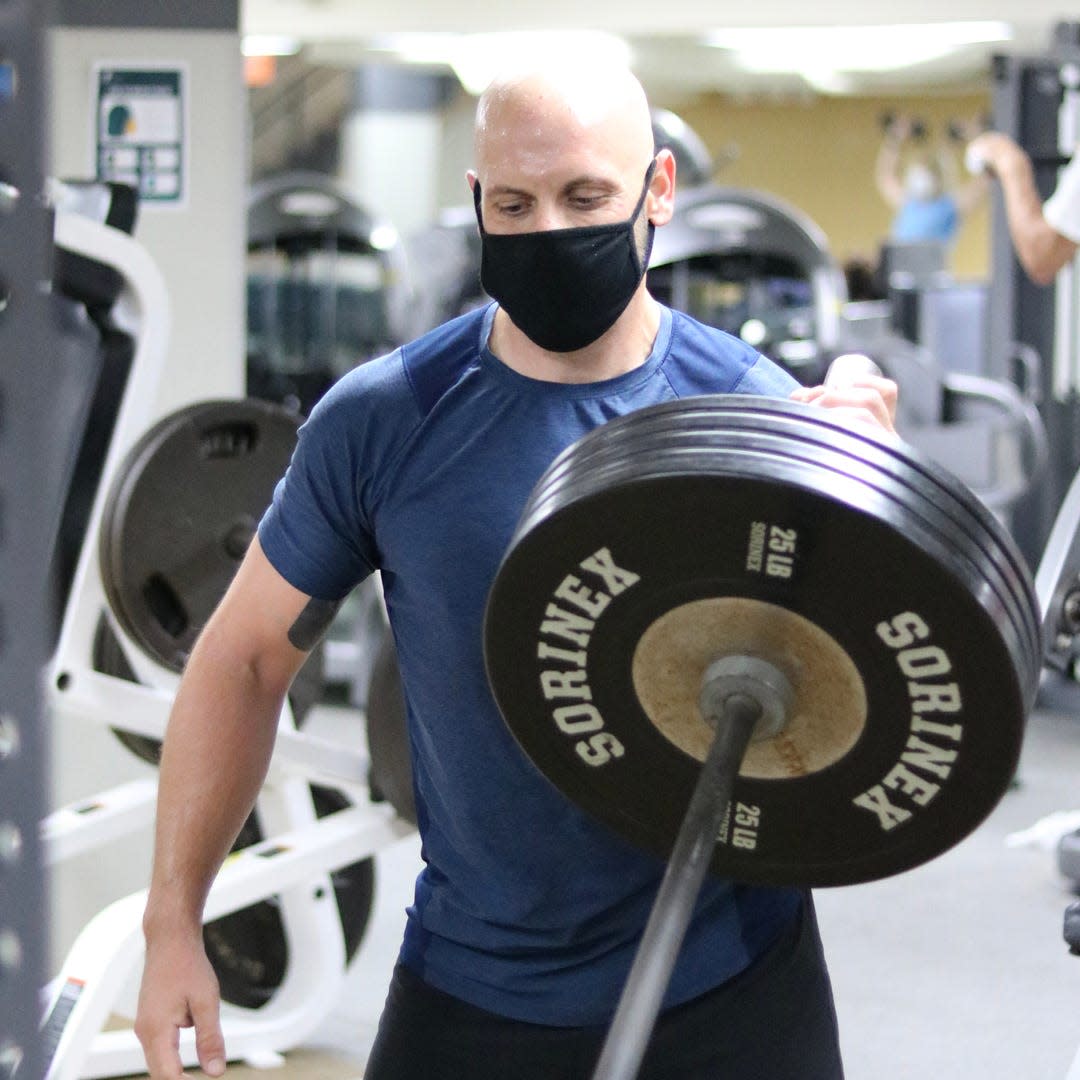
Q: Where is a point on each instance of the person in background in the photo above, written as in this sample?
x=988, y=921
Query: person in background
x=1046, y=235
x=920, y=184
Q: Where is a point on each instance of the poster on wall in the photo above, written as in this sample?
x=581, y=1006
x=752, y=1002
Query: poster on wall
x=141, y=125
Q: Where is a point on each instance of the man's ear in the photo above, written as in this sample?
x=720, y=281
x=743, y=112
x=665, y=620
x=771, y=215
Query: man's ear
x=472, y=177
x=660, y=204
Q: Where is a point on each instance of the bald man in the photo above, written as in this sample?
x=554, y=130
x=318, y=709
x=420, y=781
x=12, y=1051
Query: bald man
x=526, y=913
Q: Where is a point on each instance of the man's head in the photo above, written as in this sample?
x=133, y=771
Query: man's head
x=923, y=180
x=567, y=187
x=560, y=146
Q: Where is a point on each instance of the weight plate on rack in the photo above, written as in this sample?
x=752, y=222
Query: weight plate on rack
x=181, y=512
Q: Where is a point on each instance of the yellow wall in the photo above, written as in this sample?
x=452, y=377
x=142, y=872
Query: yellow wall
x=818, y=154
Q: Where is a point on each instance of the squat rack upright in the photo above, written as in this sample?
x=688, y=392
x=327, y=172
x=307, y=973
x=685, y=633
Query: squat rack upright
x=26, y=472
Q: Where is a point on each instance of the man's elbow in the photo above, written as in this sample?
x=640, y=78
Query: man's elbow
x=1042, y=268
x=223, y=653
x=1043, y=252
x=1042, y=274
x=1049, y=252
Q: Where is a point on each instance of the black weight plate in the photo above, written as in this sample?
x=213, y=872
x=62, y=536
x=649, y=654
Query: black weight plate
x=249, y=950
x=935, y=472
x=750, y=448
x=687, y=538
x=635, y=437
x=988, y=549
x=179, y=516
x=985, y=540
x=744, y=430
x=705, y=410
x=955, y=549
x=721, y=411
x=879, y=446
x=923, y=474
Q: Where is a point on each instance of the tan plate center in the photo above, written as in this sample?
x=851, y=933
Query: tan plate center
x=829, y=711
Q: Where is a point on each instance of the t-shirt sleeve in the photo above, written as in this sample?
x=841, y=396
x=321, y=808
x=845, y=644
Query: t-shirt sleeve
x=1062, y=209
x=711, y=361
x=315, y=532
x=766, y=377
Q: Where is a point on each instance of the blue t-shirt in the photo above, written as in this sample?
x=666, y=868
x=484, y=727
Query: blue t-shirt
x=926, y=219
x=418, y=464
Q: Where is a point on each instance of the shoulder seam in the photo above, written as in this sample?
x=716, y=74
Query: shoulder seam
x=408, y=377
x=668, y=353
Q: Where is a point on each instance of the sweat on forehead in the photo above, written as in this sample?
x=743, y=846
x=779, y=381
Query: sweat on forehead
x=578, y=96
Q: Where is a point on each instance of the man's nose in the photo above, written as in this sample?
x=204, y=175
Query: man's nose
x=547, y=217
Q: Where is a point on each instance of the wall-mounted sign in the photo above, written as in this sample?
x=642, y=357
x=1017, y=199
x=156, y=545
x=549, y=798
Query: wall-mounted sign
x=141, y=129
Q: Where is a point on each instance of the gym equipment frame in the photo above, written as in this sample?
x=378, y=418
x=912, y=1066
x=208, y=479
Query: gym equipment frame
x=26, y=438
x=300, y=852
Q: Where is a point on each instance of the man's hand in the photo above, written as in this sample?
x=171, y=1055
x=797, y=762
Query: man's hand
x=179, y=990
x=866, y=399
x=997, y=154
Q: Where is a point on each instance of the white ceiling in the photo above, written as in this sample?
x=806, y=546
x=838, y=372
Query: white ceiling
x=664, y=35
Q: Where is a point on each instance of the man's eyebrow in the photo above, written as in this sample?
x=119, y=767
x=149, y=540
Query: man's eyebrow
x=603, y=183
x=592, y=180
x=506, y=189
x=598, y=183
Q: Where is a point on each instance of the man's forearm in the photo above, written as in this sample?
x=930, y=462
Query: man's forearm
x=886, y=173
x=1040, y=248
x=216, y=751
x=1023, y=212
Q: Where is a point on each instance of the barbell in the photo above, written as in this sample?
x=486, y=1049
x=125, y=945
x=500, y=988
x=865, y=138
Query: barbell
x=896, y=606
x=755, y=639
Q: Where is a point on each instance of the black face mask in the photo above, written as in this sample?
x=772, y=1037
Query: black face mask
x=564, y=288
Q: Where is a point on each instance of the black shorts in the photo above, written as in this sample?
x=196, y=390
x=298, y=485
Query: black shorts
x=773, y=1021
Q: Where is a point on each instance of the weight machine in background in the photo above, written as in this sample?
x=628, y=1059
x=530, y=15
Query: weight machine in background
x=327, y=287
x=145, y=544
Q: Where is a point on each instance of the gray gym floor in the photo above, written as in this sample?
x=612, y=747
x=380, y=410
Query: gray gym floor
x=953, y=970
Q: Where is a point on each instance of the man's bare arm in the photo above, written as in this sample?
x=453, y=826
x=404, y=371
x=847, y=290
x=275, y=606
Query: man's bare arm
x=215, y=756
x=1041, y=249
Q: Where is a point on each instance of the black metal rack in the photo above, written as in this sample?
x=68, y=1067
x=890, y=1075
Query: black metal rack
x=25, y=470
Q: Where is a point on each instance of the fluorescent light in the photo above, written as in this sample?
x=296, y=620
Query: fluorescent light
x=477, y=58
x=418, y=48
x=821, y=52
x=383, y=237
x=269, y=45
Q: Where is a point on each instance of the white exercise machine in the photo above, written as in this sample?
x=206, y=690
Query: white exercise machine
x=305, y=848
